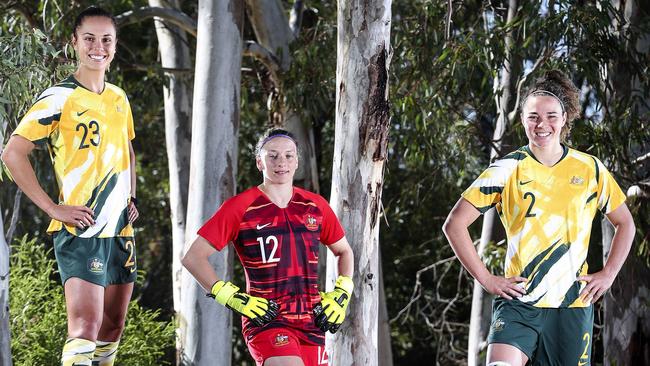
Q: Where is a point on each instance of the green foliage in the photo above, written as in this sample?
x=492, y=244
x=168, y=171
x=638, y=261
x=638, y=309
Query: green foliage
x=38, y=325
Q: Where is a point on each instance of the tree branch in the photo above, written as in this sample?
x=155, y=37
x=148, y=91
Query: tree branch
x=265, y=56
x=544, y=55
x=295, y=19
x=14, y=216
x=173, y=16
x=450, y=10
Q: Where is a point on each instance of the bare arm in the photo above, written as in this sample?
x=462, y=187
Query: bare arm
x=133, y=210
x=343, y=251
x=16, y=158
x=456, y=230
x=196, y=262
x=598, y=283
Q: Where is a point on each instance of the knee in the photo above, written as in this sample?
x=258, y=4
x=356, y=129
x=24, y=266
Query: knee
x=84, y=326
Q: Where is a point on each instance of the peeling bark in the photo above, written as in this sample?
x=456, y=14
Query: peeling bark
x=361, y=138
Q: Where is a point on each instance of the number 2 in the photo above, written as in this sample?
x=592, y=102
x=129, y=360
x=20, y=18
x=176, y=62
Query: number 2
x=585, y=353
x=532, y=202
x=131, y=248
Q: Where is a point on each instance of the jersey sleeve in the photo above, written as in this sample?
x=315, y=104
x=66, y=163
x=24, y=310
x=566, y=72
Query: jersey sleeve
x=610, y=195
x=485, y=192
x=43, y=117
x=223, y=226
x=129, y=120
x=331, y=229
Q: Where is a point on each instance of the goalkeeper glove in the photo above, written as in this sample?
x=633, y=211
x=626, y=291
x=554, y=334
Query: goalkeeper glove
x=329, y=313
x=259, y=310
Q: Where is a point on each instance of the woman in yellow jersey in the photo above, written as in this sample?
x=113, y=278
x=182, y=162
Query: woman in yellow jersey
x=87, y=126
x=547, y=195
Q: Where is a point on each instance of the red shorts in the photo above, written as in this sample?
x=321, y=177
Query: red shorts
x=284, y=342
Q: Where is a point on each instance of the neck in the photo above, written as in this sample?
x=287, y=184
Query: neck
x=547, y=155
x=91, y=79
x=280, y=194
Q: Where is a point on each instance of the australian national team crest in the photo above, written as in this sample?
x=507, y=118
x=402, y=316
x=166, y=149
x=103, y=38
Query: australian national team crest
x=281, y=340
x=95, y=265
x=311, y=222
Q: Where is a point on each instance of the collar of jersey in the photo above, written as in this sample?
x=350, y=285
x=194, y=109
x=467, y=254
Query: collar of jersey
x=565, y=152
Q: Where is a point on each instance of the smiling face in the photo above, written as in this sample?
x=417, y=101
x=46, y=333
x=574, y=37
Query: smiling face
x=94, y=42
x=278, y=160
x=543, y=120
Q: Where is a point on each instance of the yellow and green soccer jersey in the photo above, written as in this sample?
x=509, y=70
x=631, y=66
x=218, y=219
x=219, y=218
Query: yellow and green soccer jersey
x=88, y=137
x=547, y=213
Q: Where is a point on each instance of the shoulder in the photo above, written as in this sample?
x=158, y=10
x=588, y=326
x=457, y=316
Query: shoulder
x=242, y=200
x=587, y=160
x=114, y=89
x=303, y=194
x=58, y=93
x=504, y=166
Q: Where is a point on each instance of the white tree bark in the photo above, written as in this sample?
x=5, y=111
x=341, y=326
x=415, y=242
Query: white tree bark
x=204, y=325
x=481, y=301
x=361, y=138
x=175, y=55
x=5, y=331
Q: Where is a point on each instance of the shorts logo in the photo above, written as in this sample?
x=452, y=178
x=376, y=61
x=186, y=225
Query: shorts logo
x=498, y=325
x=95, y=265
x=311, y=223
x=576, y=180
x=281, y=340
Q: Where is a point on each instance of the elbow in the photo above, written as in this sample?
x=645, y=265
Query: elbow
x=7, y=157
x=186, y=260
x=447, y=226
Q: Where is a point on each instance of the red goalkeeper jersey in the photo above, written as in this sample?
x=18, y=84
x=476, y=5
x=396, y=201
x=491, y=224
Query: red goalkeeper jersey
x=278, y=248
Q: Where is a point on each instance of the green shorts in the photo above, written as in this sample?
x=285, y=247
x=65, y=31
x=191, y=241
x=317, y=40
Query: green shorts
x=102, y=261
x=548, y=336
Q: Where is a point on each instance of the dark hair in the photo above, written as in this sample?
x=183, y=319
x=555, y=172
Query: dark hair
x=557, y=84
x=92, y=11
x=271, y=133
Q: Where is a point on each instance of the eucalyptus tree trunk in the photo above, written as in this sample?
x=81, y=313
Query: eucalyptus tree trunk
x=491, y=231
x=360, y=149
x=626, y=335
x=206, y=327
x=175, y=59
x=5, y=331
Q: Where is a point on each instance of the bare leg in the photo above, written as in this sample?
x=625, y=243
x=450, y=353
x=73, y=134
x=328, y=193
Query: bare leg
x=284, y=361
x=116, y=303
x=84, y=304
x=505, y=353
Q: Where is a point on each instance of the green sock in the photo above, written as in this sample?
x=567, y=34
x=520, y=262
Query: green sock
x=77, y=352
x=105, y=353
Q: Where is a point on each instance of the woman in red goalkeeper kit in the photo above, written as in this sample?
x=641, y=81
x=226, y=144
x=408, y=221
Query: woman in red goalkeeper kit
x=276, y=230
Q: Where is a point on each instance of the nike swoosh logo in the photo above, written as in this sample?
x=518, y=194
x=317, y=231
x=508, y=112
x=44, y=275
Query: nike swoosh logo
x=260, y=227
x=521, y=182
x=80, y=113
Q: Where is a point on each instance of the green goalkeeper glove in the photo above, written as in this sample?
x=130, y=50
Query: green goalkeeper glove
x=329, y=313
x=259, y=310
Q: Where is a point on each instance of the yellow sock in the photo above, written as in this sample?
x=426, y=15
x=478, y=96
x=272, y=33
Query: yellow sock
x=105, y=353
x=77, y=352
